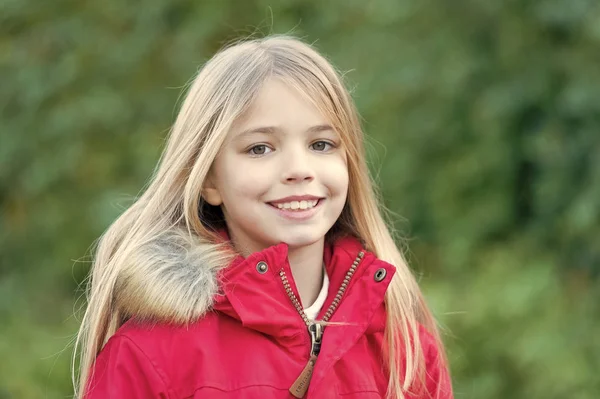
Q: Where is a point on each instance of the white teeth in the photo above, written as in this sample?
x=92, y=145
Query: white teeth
x=298, y=205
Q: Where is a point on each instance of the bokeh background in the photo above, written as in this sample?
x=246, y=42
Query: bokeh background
x=483, y=120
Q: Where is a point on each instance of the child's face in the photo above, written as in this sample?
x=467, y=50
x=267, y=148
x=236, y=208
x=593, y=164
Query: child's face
x=257, y=171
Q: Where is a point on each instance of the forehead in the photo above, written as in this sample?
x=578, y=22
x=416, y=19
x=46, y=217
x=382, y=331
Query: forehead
x=279, y=104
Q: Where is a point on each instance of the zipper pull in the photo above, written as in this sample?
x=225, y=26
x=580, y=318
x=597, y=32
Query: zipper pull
x=300, y=386
x=316, y=335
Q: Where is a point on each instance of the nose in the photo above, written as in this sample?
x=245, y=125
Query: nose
x=297, y=168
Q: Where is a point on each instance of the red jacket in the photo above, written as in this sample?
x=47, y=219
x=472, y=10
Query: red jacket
x=254, y=343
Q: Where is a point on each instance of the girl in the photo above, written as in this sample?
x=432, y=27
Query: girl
x=257, y=263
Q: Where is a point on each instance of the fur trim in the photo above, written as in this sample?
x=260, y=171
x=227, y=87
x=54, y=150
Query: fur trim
x=172, y=278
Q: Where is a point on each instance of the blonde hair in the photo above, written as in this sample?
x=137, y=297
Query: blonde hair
x=223, y=89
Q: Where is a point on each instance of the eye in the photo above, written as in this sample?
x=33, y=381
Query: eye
x=260, y=149
x=321, y=146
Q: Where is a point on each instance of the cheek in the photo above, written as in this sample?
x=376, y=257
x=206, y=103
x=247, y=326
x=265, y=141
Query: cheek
x=244, y=180
x=335, y=176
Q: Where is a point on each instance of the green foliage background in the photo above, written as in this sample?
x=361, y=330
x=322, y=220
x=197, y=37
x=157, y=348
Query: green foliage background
x=483, y=118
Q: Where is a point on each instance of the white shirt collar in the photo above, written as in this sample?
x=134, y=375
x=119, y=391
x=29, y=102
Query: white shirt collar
x=313, y=310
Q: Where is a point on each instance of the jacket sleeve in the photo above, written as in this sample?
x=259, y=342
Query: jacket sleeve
x=122, y=370
x=437, y=378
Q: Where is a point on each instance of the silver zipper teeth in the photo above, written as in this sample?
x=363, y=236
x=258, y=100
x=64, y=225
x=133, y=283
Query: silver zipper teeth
x=336, y=300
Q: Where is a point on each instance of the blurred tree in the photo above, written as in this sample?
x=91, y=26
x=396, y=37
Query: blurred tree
x=483, y=121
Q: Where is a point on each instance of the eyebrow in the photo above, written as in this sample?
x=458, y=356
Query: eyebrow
x=275, y=129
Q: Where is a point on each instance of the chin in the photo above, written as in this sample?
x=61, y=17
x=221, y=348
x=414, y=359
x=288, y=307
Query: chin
x=296, y=240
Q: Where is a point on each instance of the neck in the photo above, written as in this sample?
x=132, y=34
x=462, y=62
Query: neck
x=306, y=263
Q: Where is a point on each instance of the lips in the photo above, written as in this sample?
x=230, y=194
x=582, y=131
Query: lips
x=296, y=203
x=297, y=211
x=295, y=198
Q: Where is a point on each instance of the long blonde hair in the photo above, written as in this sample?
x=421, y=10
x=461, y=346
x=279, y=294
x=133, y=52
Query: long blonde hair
x=223, y=89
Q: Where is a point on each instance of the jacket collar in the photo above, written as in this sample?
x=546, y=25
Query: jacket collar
x=255, y=294
x=175, y=262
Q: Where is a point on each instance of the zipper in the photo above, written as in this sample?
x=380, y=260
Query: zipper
x=315, y=330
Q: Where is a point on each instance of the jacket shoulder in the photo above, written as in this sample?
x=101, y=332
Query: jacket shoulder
x=180, y=353
x=162, y=342
x=123, y=370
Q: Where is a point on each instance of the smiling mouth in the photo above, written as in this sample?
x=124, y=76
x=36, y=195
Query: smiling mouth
x=296, y=205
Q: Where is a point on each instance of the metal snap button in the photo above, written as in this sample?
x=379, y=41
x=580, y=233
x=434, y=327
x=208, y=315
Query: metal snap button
x=380, y=274
x=262, y=267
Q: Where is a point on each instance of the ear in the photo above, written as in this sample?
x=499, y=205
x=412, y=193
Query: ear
x=210, y=193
